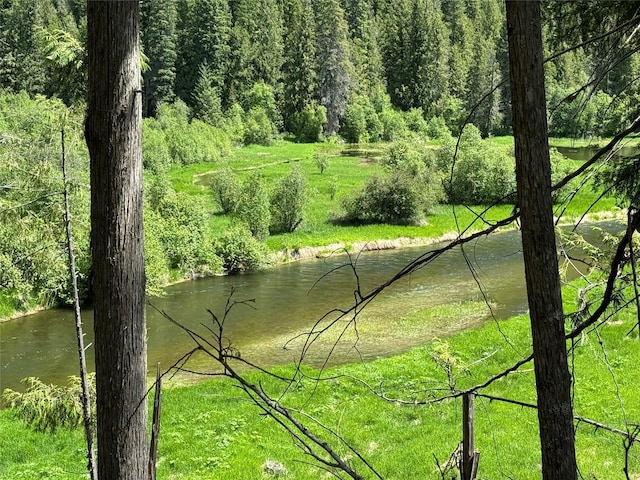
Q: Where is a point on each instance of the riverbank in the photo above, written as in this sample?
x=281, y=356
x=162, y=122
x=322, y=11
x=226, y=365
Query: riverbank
x=212, y=430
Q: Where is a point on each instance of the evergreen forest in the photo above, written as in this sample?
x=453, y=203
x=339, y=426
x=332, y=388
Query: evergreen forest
x=403, y=76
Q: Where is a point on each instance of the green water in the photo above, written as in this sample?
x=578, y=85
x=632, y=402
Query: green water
x=288, y=300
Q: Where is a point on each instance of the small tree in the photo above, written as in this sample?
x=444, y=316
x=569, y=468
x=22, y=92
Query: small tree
x=288, y=201
x=254, y=206
x=321, y=159
x=227, y=190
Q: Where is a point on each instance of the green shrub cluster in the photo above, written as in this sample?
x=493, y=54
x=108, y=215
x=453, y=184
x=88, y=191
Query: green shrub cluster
x=240, y=251
x=409, y=189
x=374, y=119
x=482, y=173
x=171, y=139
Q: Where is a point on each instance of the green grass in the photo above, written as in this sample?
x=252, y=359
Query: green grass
x=589, y=142
x=211, y=430
x=351, y=170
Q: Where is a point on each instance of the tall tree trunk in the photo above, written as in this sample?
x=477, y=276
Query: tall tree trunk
x=533, y=173
x=113, y=134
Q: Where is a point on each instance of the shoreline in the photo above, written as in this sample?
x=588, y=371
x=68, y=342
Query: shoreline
x=285, y=256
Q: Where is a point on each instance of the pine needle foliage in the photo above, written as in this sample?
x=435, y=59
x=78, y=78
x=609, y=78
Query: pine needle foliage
x=46, y=407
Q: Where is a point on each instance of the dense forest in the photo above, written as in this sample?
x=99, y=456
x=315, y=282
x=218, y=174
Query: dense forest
x=218, y=74
x=363, y=69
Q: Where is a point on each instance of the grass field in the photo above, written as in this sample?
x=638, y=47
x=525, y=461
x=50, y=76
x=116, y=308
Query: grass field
x=349, y=167
x=211, y=430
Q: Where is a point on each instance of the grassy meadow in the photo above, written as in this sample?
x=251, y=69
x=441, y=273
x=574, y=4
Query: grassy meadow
x=349, y=168
x=211, y=429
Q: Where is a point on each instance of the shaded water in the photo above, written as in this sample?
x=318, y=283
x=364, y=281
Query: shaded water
x=585, y=153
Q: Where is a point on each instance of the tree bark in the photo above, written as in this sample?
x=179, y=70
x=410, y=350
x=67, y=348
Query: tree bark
x=533, y=173
x=113, y=134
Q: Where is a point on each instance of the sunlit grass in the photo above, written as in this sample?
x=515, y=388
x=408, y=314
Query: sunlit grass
x=211, y=429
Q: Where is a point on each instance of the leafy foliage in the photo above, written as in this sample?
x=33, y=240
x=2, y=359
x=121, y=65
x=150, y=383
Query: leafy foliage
x=254, y=209
x=288, y=202
x=227, y=190
x=46, y=407
x=240, y=251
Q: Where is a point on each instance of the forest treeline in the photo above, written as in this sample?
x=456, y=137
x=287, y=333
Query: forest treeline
x=223, y=73
x=313, y=67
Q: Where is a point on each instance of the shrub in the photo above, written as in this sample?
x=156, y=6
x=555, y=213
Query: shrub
x=288, y=201
x=155, y=150
x=233, y=124
x=49, y=407
x=321, y=159
x=259, y=129
x=416, y=123
x=396, y=198
x=333, y=187
x=437, y=128
x=254, y=206
x=408, y=191
x=394, y=126
x=354, y=124
x=483, y=173
x=308, y=124
x=227, y=190
x=183, y=232
x=240, y=251
x=262, y=96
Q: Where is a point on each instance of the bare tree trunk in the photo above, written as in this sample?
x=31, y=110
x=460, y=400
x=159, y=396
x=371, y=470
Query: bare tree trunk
x=533, y=173
x=84, y=381
x=113, y=133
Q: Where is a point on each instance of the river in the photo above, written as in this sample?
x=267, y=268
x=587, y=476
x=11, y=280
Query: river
x=287, y=301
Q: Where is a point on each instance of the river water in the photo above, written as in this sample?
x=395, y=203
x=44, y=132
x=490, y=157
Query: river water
x=288, y=300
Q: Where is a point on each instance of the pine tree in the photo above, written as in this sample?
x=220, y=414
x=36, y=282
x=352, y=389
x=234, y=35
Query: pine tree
x=416, y=55
x=158, y=23
x=205, y=28
x=299, y=67
x=335, y=70
x=206, y=98
x=20, y=65
x=484, y=71
x=364, y=35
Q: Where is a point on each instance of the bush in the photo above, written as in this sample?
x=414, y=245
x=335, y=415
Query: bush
x=49, y=407
x=288, y=201
x=411, y=188
x=262, y=96
x=394, y=126
x=191, y=142
x=182, y=228
x=354, y=124
x=437, y=128
x=396, y=198
x=259, y=129
x=321, y=159
x=227, y=190
x=308, y=124
x=254, y=206
x=156, y=157
x=416, y=123
x=240, y=251
x=483, y=173
x=233, y=124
